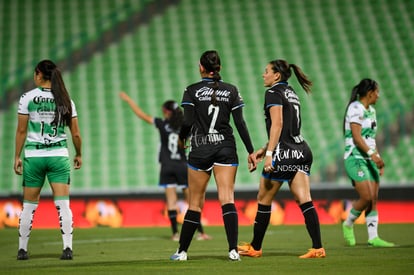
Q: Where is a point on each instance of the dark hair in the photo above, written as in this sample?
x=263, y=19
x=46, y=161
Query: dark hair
x=359, y=91
x=63, y=110
x=284, y=68
x=177, y=116
x=210, y=60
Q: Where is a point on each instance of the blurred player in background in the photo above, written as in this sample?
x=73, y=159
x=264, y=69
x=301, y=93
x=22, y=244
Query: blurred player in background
x=208, y=106
x=363, y=164
x=287, y=157
x=173, y=172
x=43, y=114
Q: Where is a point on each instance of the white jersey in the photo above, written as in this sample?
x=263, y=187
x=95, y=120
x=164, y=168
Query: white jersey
x=43, y=138
x=356, y=113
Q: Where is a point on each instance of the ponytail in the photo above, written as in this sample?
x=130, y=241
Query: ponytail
x=210, y=60
x=362, y=89
x=359, y=91
x=63, y=110
x=216, y=79
x=285, y=70
x=302, y=78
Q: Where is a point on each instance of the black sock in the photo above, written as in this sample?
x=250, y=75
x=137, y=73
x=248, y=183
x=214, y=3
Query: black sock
x=172, y=215
x=231, y=224
x=312, y=223
x=200, y=228
x=261, y=223
x=191, y=222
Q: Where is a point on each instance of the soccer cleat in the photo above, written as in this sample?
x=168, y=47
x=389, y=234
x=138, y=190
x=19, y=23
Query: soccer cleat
x=22, y=254
x=246, y=249
x=349, y=236
x=181, y=256
x=234, y=255
x=67, y=254
x=377, y=242
x=314, y=253
x=203, y=237
x=175, y=237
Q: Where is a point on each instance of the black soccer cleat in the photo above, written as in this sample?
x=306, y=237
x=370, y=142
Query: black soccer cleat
x=22, y=254
x=67, y=254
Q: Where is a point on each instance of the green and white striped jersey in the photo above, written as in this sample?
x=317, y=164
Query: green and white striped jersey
x=357, y=113
x=43, y=139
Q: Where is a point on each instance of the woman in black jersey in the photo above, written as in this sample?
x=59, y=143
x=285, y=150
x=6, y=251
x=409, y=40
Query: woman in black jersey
x=208, y=105
x=173, y=172
x=287, y=157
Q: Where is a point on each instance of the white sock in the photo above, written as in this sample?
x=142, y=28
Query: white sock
x=66, y=221
x=372, y=224
x=353, y=215
x=25, y=223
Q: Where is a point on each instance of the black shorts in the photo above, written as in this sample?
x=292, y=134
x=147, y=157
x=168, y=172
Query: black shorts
x=224, y=156
x=173, y=173
x=288, y=159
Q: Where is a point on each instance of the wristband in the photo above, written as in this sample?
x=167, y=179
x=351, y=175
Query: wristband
x=370, y=152
x=269, y=153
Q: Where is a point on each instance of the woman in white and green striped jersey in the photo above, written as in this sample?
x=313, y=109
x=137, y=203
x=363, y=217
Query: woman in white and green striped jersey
x=43, y=114
x=363, y=163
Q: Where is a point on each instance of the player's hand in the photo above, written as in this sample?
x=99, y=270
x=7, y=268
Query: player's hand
x=252, y=162
x=378, y=160
x=260, y=154
x=123, y=96
x=381, y=171
x=18, y=166
x=77, y=162
x=268, y=166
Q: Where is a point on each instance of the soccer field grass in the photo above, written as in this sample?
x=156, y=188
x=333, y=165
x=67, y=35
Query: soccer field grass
x=147, y=251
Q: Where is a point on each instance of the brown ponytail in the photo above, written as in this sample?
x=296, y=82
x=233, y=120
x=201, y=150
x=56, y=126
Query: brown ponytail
x=63, y=111
x=285, y=70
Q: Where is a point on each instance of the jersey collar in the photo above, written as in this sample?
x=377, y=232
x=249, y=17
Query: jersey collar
x=43, y=89
x=279, y=83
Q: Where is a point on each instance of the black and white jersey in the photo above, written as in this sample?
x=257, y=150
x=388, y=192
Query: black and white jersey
x=212, y=128
x=292, y=153
x=169, y=149
x=281, y=94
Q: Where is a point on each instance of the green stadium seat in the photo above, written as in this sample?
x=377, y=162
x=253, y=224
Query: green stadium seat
x=336, y=43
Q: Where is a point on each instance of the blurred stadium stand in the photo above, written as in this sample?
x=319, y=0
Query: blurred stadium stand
x=151, y=49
